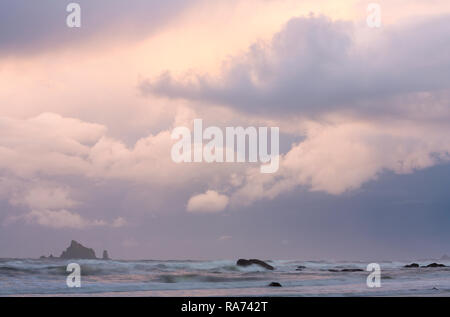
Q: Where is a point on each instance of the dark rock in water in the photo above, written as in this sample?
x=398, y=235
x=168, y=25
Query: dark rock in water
x=436, y=265
x=346, y=270
x=243, y=262
x=105, y=255
x=275, y=284
x=300, y=267
x=412, y=265
x=78, y=251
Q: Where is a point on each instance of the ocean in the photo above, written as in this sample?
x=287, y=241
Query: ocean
x=31, y=277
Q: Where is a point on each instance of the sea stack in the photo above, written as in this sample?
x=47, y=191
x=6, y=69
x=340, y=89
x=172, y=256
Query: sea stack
x=78, y=251
x=105, y=255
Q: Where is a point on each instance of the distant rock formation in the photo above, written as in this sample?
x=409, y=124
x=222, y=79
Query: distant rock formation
x=105, y=255
x=411, y=265
x=43, y=257
x=78, y=251
x=275, y=284
x=244, y=262
x=300, y=268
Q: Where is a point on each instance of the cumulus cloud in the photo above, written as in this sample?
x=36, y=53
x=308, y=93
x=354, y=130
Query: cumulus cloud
x=41, y=154
x=48, y=206
x=60, y=219
x=368, y=101
x=314, y=65
x=209, y=202
x=45, y=198
x=47, y=143
x=52, y=145
x=342, y=156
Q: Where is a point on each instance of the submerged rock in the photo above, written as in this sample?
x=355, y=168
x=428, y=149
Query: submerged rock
x=411, y=265
x=300, y=267
x=346, y=270
x=78, y=251
x=275, y=284
x=244, y=262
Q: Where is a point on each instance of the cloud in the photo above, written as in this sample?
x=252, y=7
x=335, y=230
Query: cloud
x=316, y=65
x=313, y=65
x=31, y=148
x=48, y=206
x=45, y=198
x=119, y=222
x=209, y=202
x=225, y=238
x=43, y=157
x=59, y=219
x=340, y=156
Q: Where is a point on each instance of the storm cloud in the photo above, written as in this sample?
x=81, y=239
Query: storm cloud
x=315, y=65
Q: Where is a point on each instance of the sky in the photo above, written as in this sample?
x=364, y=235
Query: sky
x=86, y=117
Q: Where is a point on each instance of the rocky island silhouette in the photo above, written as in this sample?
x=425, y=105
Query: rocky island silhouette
x=77, y=251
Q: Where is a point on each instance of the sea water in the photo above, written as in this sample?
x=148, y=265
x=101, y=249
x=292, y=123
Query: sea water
x=30, y=277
